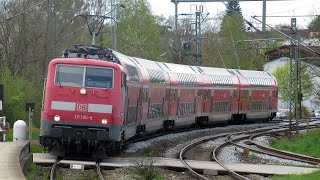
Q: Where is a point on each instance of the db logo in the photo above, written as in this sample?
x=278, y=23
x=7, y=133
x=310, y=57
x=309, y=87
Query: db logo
x=82, y=107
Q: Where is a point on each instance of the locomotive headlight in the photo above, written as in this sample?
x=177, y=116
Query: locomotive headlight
x=83, y=91
x=104, y=121
x=56, y=118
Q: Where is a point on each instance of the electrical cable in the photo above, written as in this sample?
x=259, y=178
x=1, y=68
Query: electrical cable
x=14, y=16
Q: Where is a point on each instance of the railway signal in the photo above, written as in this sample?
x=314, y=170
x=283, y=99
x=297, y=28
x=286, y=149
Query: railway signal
x=30, y=109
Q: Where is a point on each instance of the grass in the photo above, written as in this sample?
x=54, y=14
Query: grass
x=307, y=144
x=302, y=144
x=312, y=176
x=37, y=172
x=35, y=134
x=35, y=148
x=146, y=172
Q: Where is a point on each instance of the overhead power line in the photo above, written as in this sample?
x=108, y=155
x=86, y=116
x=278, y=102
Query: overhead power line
x=292, y=16
x=291, y=38
x=12, y=17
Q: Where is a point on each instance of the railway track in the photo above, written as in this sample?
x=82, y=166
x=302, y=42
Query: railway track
x=54, y=169
x=248, y=134
x=258, y=148
x=206, y=139
x=56, y=165
x=178, y=130
x=251, y=135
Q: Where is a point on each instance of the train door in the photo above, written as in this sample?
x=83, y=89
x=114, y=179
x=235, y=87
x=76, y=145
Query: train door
x=124, y=99
x=166, y=102
x=199, y=102
x=206, y=101
x=173, y=102
x=244, y=100
x=274, y=105
x=143, y=107
x=235, y=101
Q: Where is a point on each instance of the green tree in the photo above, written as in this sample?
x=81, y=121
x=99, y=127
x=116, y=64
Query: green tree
x=233, y=7
x=17, y=92
x=282, y=74
x=138, y=33
x=234, y=52
x=314, y=24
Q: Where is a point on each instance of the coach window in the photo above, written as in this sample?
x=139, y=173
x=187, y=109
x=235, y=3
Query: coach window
x=174, y=93
x=235, y=94
x=167, y=95
x=244, y=95
x=124, y=79
x=69, y=76
x=207, y=95
x=99, y=77
x=199, y=95
x=275, y=94
x=146, y=94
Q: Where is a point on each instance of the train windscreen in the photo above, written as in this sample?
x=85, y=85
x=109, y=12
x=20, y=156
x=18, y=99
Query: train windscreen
x=79, y=76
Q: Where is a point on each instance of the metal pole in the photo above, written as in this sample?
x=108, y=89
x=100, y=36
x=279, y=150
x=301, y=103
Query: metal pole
x=298, y=85
x=93, y=37
x=52, y=28
x=55, y=30
x=4, y=125
x=176, y=27
x=198, y=36
x=30, y=124
x=293, y=95
x=113, y=25
x=264, y=14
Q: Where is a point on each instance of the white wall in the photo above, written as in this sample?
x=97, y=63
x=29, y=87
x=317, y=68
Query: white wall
x=274, y=64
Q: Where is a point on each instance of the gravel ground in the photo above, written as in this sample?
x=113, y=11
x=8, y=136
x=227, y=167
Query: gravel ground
x=170, y=145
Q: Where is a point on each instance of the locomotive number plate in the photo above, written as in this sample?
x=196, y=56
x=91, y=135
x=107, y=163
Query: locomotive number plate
x=82, y=107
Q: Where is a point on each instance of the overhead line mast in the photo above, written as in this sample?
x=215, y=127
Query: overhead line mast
x=198, y=25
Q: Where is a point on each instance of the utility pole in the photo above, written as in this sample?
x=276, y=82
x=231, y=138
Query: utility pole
x=52, y=26
x=176, y=28
x=264, y=14
x=113, y=25
x=295, y=96
x=264, y=8
x=176, y=42
x=198, y=35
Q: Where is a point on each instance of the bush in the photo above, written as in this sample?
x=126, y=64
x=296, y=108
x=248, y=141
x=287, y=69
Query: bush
x=146, y=171
x=17, y=92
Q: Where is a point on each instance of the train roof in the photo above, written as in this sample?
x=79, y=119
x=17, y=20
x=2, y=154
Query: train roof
x=253, y=74
x=217, y=75
x=257, y=78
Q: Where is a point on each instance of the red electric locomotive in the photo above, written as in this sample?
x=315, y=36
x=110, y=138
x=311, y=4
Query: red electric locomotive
x=96, y=98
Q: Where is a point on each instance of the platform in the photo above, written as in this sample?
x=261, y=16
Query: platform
x=12, y=155
x=199, y=166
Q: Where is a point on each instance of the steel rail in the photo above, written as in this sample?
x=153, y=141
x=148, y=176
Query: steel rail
x=99, y=173
x=202, y=140
x=54, y=168
x=274, y=152
x=186, y=148
x=218, y=148
x=300, y=157
x=215, y=158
